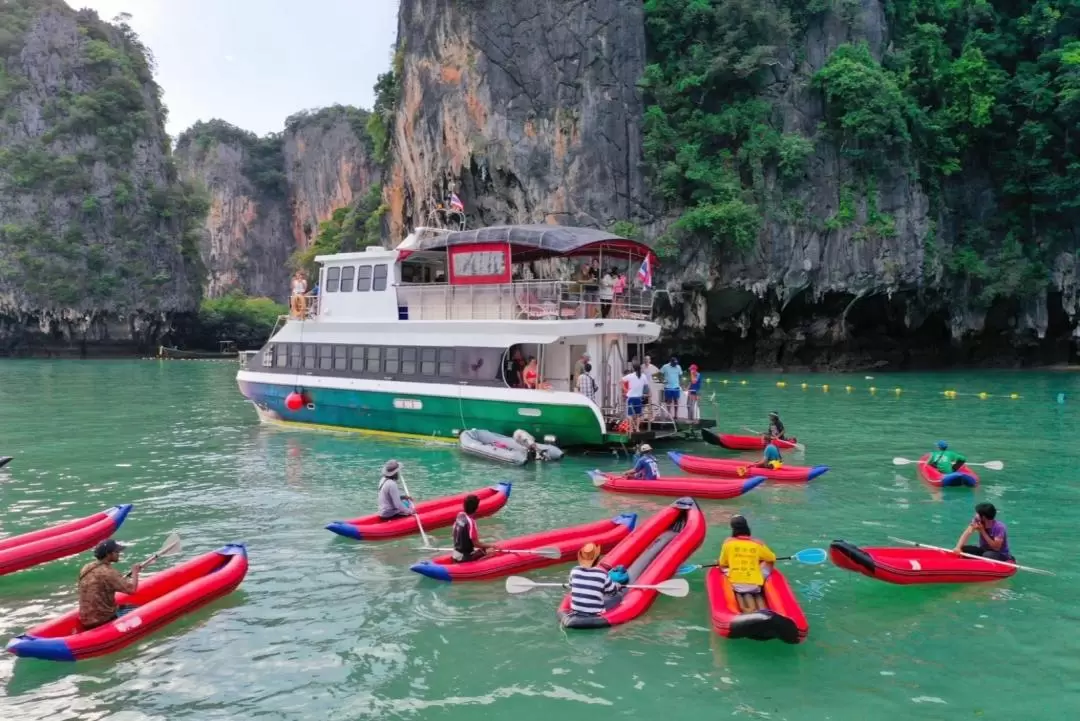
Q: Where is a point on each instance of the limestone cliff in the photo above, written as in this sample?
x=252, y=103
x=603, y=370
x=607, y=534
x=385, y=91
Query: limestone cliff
x=789, y=159
x=96, y=244
x=268, y=196
x=528, y=111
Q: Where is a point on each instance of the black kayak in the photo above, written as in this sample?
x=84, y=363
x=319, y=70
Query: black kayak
x=4, y=460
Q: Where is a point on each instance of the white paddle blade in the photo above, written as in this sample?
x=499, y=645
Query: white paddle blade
x=598, y=478
x=519, y=584
x=902, y=461
x=675, y=587
x=171, y=546
x=993, y=465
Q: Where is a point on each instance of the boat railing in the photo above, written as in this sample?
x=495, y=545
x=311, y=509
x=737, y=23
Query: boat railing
x=300, y=306
x=523, y=300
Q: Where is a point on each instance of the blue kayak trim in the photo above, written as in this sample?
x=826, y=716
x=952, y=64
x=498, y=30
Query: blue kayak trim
x=816, y=471
x=233, y=549
x=753, y=482
x=436, y=571
x=48, y=649
x=958, y=478
x=504, y=487
x=626, y=519
x=675, y=456
x=119, y=513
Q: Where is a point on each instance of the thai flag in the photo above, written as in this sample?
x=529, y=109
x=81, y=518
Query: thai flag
x=456, y=204
x=644, y=273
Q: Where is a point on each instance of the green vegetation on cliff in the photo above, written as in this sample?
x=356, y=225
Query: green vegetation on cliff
x=94, y=214
x=245, y=320
x=349, y=229
x=979, y=100
x=264, y=161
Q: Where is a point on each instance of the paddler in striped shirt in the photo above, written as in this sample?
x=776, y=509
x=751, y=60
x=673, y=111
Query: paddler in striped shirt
x=591, y=589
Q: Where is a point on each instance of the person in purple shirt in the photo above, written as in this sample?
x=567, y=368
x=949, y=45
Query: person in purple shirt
x=993, y=536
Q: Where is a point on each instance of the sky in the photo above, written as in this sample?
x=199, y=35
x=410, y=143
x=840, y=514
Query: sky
x=253, y=63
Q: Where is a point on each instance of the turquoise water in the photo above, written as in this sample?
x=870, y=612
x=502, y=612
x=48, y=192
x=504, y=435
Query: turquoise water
x=331, y=629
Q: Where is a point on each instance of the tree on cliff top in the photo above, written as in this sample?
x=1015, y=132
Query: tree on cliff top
x=348, y=229
x=264, y=159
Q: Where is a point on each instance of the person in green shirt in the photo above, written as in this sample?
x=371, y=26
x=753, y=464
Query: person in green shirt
x=945, y=460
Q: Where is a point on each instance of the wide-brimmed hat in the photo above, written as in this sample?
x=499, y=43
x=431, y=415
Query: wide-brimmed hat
x=645, y=448
x=391, y=468
x=588, y=555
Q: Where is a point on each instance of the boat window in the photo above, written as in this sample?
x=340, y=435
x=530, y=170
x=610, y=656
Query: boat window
x=373, y=364
x=295, y=349
x=427, y=361
x=347, y=275
x=408, y=361
x=446, y=362
x=268, y=357
x=356, y=362
x=282, y=355
x=391, y=364
x=333, y=279
x=341, y=357
x=309, y=356
x=326, y=357
x=363, y=279
x=379, y=281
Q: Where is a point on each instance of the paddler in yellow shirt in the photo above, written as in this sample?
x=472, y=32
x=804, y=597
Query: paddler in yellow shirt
x=747, y=563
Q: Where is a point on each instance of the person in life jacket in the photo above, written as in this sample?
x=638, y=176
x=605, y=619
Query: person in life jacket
x=945, y=460
x=747, y=563
x=645, y=467
x=771, y=457
x=467, y=546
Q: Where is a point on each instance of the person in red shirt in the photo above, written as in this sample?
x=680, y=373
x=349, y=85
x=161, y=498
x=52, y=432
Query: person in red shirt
x=531, y=375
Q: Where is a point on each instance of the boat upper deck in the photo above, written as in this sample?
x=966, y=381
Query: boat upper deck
x=507, y=273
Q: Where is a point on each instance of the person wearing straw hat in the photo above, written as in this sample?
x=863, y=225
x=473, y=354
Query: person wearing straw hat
x=591, y=589
x=392, y=502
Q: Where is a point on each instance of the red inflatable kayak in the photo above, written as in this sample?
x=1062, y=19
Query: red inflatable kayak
x=783, y=619
x=962, y=477
x=730, y=467
x=160, y=600
x=496, y=565
x=436, y=513
x=65, y=539
x=714, y=488
x=650, y=554
x=742, y=443
x=906, y=566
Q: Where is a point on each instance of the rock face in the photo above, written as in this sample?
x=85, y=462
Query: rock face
x=98, y=241
x=269, y=195
x=528, y=111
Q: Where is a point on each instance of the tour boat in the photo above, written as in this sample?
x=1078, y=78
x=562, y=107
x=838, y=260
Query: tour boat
x=429, y=339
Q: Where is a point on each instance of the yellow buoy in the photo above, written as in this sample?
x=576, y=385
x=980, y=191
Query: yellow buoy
x=825, y=388
x=805, y=386
x=742, y=383
x=896, y=391
x=873, y=389
x=708, y=380
x=781, y=384
x=725, y=381
x=984, y=395
x=848, y=389
x=1014, y=396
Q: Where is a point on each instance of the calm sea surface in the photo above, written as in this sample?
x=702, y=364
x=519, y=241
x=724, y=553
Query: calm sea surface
x=325, y=628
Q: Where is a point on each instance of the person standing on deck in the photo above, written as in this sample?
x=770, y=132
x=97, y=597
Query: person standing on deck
x=299, y=288
x=653, y=398
x=586, y=384
x=672, y=374
x=693, y=392
x=530, y=377
x=580, y=364
x=637, y=388
x=607, y=292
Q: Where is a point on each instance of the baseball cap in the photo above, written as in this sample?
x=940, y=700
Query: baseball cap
x=106, y=547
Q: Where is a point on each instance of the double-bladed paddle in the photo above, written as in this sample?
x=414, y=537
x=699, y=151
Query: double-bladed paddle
x=676, y=587
x=992, y=465
x=171, y=547
x=809, y=556
x=547, y=552
x=971, y=555
x=798, y=446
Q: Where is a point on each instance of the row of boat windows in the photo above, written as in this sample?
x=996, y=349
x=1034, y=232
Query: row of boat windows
x=367, y=360
x=343, y=278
